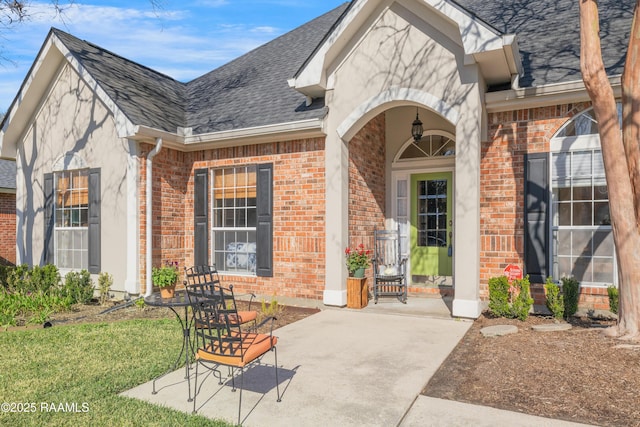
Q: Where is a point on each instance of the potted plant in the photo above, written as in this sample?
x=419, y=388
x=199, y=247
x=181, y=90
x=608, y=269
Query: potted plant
x=165, y=278
x=357, y=260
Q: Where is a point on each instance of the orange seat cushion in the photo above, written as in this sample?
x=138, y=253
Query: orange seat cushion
x=253, y=346
x=242, y=316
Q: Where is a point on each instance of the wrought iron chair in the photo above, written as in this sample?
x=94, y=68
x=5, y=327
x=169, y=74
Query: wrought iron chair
x=207, y=275
x=220, y=339
x=389, y=266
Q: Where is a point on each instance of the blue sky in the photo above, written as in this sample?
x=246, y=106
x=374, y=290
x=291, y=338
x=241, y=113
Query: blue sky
x=183, y=39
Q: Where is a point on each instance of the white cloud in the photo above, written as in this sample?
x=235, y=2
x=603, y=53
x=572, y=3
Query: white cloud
x=182, y=40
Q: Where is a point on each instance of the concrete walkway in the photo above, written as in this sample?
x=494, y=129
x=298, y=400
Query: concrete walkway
x=348, y=368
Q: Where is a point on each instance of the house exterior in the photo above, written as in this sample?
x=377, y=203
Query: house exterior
x=7, y=212
x=271, y=165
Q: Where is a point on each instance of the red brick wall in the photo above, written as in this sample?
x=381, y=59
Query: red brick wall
x=511, y=135
x=367, y=183
x=298, y=212
x=7, y=228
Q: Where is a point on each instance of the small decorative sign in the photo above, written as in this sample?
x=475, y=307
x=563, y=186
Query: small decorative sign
x=513, y=272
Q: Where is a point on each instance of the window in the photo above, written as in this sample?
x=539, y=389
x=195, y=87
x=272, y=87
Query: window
x=71, y=189
x=72, y=219
x=432, y=213
x=582, y=238
x=431, y=145
x=234, y=219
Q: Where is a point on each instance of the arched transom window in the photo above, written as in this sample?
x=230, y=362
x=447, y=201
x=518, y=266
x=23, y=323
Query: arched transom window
x=433, y=144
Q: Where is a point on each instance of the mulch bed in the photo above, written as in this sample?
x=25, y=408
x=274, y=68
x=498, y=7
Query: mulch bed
x=578, y=375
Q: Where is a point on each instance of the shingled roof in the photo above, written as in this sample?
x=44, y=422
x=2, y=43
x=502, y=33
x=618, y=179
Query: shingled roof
x=252, y=90
x=146, y=97
x=549, y=34
x=249, y=91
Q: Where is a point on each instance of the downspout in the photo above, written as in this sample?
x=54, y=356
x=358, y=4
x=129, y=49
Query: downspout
x=149, y=212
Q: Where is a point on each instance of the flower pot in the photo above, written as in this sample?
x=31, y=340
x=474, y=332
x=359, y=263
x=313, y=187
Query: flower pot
x=359, y=273
x=167, y=292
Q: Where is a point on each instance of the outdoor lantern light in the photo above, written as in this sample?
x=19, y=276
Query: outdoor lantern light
x=416, y=128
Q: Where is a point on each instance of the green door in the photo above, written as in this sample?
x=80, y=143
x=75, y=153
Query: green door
x=431, y=224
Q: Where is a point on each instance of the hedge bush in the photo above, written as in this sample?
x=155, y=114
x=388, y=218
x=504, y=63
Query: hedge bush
x=554, y=298
x=571, y=292
x=512, y=300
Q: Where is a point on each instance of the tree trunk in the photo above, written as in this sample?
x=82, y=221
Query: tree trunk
x=621, y=175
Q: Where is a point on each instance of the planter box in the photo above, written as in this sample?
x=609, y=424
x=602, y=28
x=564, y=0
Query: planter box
x=357, y=292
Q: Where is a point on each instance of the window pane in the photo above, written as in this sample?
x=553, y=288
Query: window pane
x=582, y=213
x=603, y=270
x=564, y=213
x=603, y=243
x=601, y=214
x=234, y=218
x=581, y=242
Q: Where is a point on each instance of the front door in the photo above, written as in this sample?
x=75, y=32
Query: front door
x=431, y=224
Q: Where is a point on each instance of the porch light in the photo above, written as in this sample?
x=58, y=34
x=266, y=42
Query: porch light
x=416, y=128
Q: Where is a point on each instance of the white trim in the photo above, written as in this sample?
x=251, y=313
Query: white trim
x=425, y=167
x=336, y=298
x=302, y=129
x=398, y=160
x=388, y=99
x=540, y=96
x=132, y=278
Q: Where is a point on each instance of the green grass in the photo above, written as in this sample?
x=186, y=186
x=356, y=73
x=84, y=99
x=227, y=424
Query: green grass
x=90, y=365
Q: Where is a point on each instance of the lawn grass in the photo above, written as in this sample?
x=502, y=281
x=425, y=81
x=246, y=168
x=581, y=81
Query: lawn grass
x=87, y=366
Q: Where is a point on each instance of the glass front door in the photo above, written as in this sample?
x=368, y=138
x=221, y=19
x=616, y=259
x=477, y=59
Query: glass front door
x=431, y=224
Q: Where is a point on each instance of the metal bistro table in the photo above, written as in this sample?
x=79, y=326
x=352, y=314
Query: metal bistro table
x=179, y=300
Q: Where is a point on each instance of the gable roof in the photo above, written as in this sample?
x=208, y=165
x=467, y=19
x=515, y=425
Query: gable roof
x=548, y=34
x=252, y=90
x=144, y=95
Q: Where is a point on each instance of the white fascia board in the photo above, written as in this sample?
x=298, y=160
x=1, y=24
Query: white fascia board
x=302, y=129
x=311, y=80
x=476, y=36
x=12, y=135
x=124, y=126
x=512, y=53
x=540, y=96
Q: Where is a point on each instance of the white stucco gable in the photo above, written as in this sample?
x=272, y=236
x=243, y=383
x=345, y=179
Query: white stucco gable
x=495, y=53
x=49, y=62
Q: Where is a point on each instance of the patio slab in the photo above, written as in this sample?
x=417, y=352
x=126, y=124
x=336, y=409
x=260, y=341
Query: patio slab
x=345, y=367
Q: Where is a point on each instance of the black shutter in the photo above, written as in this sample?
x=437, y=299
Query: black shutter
x=94, y=221
x=264, y=230
x=48, y=249
x=536, y=219
x=201, y=217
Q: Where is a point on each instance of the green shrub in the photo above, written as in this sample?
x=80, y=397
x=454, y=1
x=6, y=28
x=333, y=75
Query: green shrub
x=512, y=300
x=554, y=299
x=78, y=287
x=43, y=279
x=571, y=292
x=612, y=291
x=105, y=280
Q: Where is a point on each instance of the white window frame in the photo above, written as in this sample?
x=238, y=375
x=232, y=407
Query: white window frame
x=57, y=230
x=245, y=256
x=570, y=144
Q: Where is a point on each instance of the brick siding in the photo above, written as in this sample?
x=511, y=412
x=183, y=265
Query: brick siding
x=298, y=212
x=367, y=184
x=7, y=228
x=511, y=135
